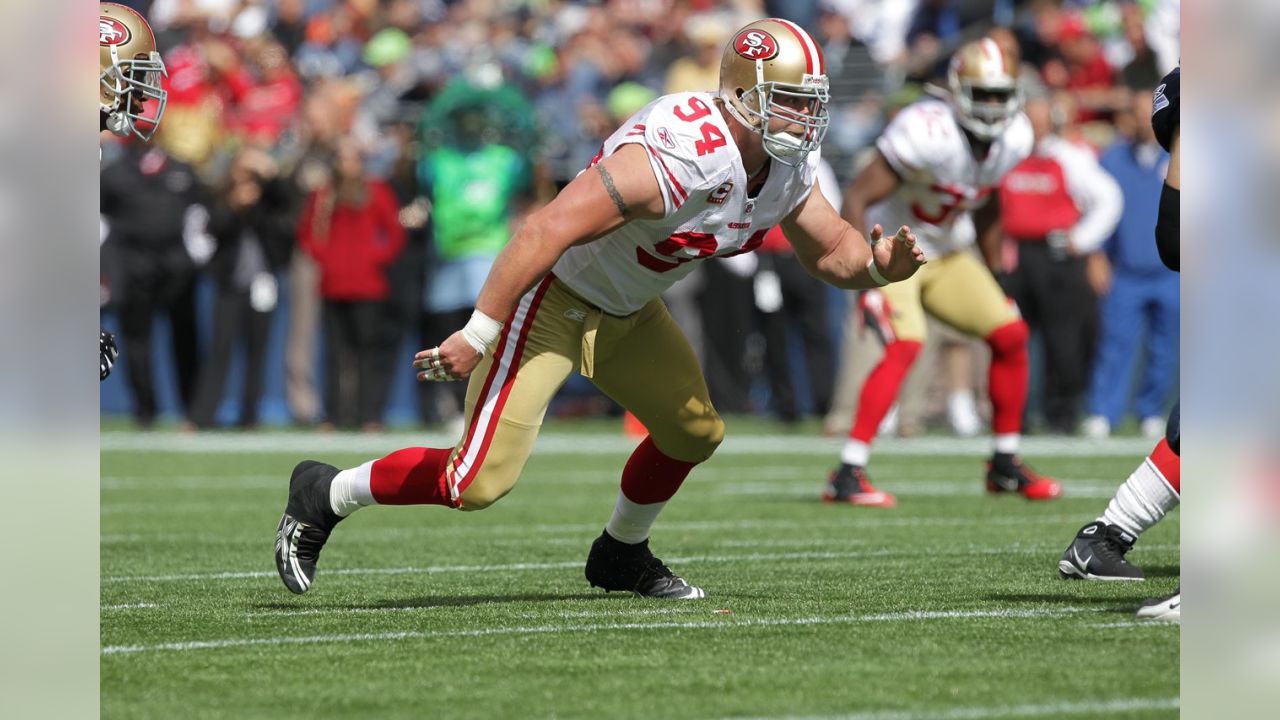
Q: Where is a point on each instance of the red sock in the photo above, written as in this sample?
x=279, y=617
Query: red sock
x=412, y=476
x=652, y=476
x=1007, y=378
x=1169, y=465
x=881, y=388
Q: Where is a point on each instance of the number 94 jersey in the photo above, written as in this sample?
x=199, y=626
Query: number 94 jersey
x=707, y=212
x=941, y=181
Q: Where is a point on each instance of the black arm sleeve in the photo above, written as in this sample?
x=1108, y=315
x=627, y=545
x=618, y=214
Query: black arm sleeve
x=1167, y=233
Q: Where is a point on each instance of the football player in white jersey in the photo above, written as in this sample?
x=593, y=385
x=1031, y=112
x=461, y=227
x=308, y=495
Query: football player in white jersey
x=938, y=163
x=689, y=177
x=128, y=78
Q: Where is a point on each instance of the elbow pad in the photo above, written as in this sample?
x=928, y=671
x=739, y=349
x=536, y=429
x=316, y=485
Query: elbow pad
x=1167, y=233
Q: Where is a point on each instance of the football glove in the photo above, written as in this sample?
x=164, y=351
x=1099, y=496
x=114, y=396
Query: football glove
x=107, y=353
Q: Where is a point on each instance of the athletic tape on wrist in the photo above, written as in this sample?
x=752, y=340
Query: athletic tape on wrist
x=876, y=277
x=481, y=332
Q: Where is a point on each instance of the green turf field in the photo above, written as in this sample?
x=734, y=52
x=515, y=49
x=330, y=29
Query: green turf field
x=946, y=607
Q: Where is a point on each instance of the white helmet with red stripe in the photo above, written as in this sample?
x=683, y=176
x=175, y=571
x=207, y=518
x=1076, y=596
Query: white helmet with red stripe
x=985, y=91
x=772, y=68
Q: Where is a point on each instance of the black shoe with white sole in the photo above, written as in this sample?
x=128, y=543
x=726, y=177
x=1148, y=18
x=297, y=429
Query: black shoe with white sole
x=1098, y=553
x=618, y=566
x=305, y=526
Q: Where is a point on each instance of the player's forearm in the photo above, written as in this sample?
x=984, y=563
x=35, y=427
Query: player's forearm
x=846, y=265
x=522, y=263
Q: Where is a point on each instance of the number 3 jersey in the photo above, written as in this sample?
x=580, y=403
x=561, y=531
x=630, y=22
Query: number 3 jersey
x=941, y=181
x=707, y=211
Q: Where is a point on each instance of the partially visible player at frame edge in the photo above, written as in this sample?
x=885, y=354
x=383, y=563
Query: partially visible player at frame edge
x=939, y=162
x=691, y=176
x=129, y=78
x=1155, y=487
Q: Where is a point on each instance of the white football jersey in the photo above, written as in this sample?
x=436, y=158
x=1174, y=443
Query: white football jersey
x=708, y=213
x=941, y=181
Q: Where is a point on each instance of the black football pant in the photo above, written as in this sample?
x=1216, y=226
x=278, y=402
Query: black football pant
x=1055, y=299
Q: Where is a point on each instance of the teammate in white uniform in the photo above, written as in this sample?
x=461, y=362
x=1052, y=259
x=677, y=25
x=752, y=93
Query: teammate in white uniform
x=938, y=164
x=689, y=177
x=128, y=78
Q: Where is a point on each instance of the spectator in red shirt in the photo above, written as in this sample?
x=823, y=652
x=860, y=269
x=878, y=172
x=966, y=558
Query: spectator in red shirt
x=1084, y=72
x=352, y=229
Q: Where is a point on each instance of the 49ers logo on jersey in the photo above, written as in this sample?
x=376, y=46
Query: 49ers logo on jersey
x=112, y=32
x=755, y=45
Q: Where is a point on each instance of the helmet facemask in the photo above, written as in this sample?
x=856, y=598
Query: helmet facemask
x=126, y=85
x=986, y=110
x=804, y=105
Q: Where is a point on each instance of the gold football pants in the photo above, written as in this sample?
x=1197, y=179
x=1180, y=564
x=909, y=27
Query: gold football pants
x=642, y=361
x=958, y=290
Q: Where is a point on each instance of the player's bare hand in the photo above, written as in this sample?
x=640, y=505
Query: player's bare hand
x=897, y=258
x=453, y=359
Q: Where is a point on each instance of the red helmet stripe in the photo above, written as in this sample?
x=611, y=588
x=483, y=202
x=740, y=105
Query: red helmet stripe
x=812, y=53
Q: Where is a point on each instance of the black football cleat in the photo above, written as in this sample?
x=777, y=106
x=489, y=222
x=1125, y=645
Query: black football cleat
x=305, y=526
x=623, y=567
x=1098, y=553
x=850, y=484
x=1009, y=474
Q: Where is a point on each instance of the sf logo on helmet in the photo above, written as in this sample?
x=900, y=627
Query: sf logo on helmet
x=755, y=45
x=112, y=32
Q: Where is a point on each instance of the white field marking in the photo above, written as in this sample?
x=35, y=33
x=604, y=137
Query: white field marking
x=854, y=519
x=297, y=443
x=726, y=622
x=1133, y=624
x=579, y=614
x=339, y=611
x=179, y=481
x=131, y=606
x=913, y=488
x=1003, y=711
x=950, y=551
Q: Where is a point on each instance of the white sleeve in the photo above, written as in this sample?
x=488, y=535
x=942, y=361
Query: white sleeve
x=672, y=147
x=1097, y=196
x=829, y=186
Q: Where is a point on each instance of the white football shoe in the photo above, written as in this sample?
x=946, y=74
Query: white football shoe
x=1096, y=427
x=1165, y=609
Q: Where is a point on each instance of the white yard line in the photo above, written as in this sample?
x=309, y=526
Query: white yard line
x=341, y=611
x=131, y=606
x=1004, y=711
x=728, y=622
x=514, y=567
x=597, y=444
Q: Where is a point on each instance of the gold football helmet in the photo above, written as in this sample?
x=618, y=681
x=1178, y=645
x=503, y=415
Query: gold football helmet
x=985, y=92
x=131, y=71
x=773, y=68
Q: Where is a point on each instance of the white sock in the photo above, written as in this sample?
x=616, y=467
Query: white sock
x=855, y=452
x=351, y=491
x=1008, y=443
x=631, y=521
x=1141, y=501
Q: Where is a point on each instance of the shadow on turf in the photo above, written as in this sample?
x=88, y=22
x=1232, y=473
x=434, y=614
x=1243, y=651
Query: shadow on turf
x=446, y=601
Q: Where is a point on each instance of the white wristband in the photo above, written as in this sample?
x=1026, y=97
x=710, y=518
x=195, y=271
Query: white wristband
x=874, y=271
x=481, y=332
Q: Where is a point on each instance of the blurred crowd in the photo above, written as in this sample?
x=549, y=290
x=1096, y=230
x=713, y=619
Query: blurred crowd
x=343, y=172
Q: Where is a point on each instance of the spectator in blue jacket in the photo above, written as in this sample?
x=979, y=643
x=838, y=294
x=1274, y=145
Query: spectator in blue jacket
x=1143, y=301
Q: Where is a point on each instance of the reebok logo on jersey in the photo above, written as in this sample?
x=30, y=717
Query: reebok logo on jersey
x=755, y=45
x=665, y=136
x=112, y=32
x=720, y=194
